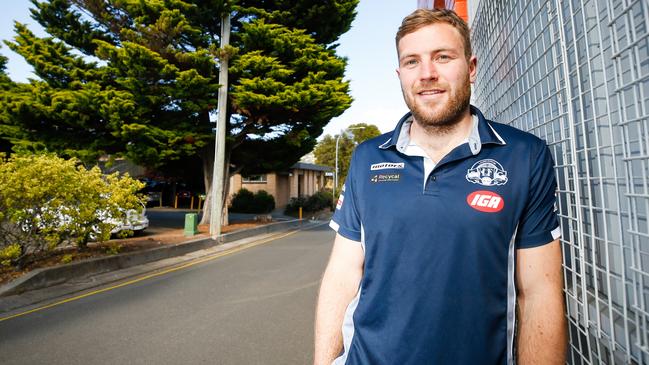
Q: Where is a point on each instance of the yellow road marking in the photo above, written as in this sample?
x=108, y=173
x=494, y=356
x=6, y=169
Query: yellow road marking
x=142, y=278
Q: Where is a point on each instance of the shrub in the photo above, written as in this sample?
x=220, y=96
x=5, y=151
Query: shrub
x=294, y=205
x=66, y=259
x=9, y=253
x=264, y=202
x=244, y=201
x=316, y=202
x=113, y=248
x=46, y=201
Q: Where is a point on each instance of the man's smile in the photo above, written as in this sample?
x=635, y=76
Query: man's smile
x=431, y=92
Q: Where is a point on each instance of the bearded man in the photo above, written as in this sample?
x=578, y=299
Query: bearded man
x=447, y=248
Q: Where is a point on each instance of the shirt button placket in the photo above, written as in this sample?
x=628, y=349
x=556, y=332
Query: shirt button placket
x=431, y=186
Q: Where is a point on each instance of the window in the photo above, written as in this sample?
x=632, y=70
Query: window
x=254, y=179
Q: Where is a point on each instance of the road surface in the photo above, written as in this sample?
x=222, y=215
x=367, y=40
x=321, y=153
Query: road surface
x=251, y=307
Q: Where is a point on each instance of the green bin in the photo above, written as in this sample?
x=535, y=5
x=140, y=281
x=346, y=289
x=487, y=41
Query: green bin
x=191, y=224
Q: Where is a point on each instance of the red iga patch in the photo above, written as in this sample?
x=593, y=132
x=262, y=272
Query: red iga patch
x=485, y=201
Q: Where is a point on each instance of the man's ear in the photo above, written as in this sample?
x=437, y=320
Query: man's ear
x=473, y=68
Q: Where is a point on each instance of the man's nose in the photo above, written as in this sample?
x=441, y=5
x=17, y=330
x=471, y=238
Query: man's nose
x=428, y=71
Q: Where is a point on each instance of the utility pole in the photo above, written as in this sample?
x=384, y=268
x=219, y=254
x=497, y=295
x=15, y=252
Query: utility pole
x=219, y=150
x=336, y=170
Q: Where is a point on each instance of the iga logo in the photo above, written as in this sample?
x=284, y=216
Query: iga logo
x=485, y=201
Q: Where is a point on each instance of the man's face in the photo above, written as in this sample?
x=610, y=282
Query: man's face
x=435, y=75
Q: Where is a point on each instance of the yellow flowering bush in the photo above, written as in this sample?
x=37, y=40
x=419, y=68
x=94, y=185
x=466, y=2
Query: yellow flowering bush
x=47, y=201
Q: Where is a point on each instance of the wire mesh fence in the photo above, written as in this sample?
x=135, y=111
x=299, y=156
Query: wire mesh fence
x=576, y=73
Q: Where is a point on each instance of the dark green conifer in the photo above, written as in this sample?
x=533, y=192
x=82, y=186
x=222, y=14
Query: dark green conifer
x=140, y=79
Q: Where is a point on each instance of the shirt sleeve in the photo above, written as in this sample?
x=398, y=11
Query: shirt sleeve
x=539, y=224
x=346, y=219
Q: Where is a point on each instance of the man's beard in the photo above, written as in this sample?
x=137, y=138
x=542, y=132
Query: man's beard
x=448, y=116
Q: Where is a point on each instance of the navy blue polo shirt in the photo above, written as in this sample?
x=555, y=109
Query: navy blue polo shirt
x=440, y=243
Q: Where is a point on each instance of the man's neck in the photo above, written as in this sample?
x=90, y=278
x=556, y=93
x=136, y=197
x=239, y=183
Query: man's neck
x=437, y=142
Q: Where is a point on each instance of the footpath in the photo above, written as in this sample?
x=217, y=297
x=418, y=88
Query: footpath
x=55, y=283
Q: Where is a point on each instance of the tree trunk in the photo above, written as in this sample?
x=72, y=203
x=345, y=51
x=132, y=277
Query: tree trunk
x=208, y=166
x=225, y=219
x=207, y=157
x=208, y=178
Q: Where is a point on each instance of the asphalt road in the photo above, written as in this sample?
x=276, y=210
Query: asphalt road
x=251, y=307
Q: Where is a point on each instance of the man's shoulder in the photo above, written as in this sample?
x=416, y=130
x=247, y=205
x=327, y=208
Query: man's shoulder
x=373, y=149
x=374, y=144
x=515, y=137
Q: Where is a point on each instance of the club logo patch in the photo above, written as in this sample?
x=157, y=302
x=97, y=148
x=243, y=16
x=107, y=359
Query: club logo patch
x=487, y=173
x=385, y=178
x=485, y=201
x=387, y=166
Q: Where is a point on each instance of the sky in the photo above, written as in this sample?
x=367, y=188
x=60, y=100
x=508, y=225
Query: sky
x=368, y=47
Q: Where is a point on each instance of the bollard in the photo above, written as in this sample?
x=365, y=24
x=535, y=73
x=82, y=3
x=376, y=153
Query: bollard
x=201, y=199
x=300, y=213
x=191, y=205
x=176, y=202
x=191, y=224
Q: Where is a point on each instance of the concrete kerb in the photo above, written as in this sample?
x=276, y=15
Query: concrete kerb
x=51, y=276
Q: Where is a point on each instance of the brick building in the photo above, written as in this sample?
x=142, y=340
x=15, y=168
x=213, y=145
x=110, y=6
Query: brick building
x=302, y=179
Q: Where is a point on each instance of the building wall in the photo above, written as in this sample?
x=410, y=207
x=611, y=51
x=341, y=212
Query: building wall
x=576, y=73
x=293, y=185
x=459, y=6
x=270, y=185
x=282, y=197
x=283, y=187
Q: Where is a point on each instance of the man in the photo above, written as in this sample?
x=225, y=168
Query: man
x=447, y=247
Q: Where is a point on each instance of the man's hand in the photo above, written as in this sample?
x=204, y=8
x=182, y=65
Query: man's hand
x=340, y=284
x=542, y=337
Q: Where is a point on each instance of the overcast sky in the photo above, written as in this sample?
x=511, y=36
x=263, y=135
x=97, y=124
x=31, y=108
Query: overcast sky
x=369, y=47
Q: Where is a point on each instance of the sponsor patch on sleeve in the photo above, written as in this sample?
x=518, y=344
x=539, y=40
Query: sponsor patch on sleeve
x=339, y=204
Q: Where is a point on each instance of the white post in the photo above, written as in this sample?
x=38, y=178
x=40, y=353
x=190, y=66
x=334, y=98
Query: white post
x=219, y=150
x=336, y=169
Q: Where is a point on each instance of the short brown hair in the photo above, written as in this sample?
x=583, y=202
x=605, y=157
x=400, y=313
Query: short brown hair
x=424, y=17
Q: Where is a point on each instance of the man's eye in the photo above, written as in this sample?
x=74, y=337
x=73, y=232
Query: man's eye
x=443, y=58
x=411, y=62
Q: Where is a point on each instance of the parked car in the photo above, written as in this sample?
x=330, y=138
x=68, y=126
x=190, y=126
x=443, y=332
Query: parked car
x=132, y=220
x=153, y=198
x=154, y=191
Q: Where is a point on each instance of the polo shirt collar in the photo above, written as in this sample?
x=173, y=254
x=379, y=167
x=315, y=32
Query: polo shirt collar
x=483, y=134
x=486, y=131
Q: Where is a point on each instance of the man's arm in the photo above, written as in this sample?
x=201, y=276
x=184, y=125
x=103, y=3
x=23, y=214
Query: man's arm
x=542, y=337
x=339, y=286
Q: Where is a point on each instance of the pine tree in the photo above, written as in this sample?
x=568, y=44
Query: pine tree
x=7, y=87
x=139, y=79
